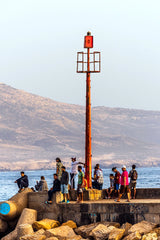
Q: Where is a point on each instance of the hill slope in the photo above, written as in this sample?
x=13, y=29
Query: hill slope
x=35, y=130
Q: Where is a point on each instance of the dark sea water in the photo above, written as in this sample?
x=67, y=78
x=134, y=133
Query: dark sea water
x=147, y=178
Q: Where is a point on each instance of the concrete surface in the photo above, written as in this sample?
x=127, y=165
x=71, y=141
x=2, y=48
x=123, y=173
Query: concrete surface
x=96, y=210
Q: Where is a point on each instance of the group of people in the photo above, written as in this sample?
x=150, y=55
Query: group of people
x=76, y=168
x=60, y=182
x=119, y=183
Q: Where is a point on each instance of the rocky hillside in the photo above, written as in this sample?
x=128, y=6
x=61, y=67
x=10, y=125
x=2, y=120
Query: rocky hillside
x=35, y=130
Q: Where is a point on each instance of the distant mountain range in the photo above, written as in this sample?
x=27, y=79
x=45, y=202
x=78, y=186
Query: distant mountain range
x=35, y=130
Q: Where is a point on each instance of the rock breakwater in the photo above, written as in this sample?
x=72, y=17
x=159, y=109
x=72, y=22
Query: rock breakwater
x=49, y=229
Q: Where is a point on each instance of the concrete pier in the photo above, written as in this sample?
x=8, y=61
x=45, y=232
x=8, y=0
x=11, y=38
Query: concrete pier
x=99, y=210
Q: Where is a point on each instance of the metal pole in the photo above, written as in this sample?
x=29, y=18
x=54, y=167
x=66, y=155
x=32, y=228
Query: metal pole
x=88, y=153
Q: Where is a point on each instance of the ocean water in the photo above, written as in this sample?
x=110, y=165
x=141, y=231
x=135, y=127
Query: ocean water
x=147, y=178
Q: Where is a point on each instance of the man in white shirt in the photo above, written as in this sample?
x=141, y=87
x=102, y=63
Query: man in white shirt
x=99, y=174
x=74, y=171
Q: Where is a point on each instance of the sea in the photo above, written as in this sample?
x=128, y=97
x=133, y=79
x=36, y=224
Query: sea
x=148, y=177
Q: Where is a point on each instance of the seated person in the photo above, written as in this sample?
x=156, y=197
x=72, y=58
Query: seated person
x=22, y=182
x=41, y=186
x=111, y=188
x=56, y=188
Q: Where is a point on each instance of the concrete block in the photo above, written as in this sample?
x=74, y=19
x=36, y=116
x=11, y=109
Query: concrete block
x=3, y=226
x=24, y=229
x=28, y=216
x=14, y=206
x=11, y=236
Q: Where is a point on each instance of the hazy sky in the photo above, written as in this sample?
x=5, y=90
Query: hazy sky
x=39, y=41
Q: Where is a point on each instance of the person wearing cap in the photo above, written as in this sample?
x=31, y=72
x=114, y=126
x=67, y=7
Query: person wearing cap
x=124, y=185
x=74, y=171
x=59, y=168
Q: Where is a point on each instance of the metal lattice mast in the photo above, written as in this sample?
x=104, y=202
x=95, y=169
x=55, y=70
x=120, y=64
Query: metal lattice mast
x=88, y=66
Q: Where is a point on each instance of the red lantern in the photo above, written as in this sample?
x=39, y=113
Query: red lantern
x=88, y=41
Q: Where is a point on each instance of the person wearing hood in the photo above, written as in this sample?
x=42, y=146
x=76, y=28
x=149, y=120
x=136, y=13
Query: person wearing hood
x=41, y=186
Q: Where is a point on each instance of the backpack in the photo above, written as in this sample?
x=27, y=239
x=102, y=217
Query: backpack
x=133, y=175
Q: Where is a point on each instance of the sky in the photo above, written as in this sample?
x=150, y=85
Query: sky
x=39, y=41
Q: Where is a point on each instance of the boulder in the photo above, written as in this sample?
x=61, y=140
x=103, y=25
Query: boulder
x=115, y=224
x=61, y=232
x=101, y=232
x=52, y=238
x=85, y=230
x=157, y=230
x=133, y=236
x=39, y=235
x=33, y=237
x=70, y=223
x=143, y=227
x=40, y=232
x=45, y=224
x=77, y=237
x=150, y=236
x=3, y=226
x=24, y=229
x=126, y=226
x=116, y=234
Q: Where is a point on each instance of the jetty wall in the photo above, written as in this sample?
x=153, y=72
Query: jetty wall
x=145, y=207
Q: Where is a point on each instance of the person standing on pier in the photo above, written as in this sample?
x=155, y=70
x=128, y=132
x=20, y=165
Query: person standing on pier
x=80, y=185
x=99, y=174
x=133, y=180
x=64, y=185
x=124, y=185
x=74, y=171
x=117, y=178
x=22, y=182
x=59, y=168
